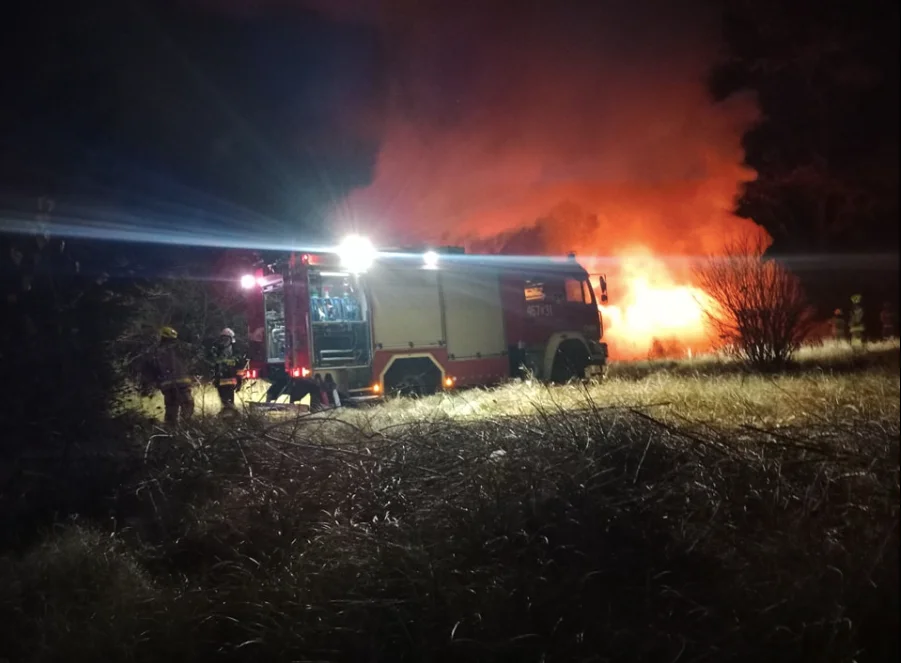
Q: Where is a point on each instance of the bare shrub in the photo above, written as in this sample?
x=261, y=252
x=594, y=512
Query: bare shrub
x=197, y=308
x=760, y=311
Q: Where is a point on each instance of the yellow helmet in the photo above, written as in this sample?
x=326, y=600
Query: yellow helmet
x=855, y=299
x=168, y=332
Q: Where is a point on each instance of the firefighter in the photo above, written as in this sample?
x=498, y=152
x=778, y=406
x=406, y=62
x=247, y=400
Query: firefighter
x=226, y=371
x=839, y=326
x=887, y=319
x=320, y=391
x=331, y=390
x=857, y=326
x=169, y=372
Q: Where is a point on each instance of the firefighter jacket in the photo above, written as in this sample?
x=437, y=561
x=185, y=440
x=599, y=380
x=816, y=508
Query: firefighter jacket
x=839, y=328
x=226, y=366
x=168, y=368
x=857, y=324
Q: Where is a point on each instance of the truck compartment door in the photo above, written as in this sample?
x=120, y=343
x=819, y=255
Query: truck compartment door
x=297, y=296
x=406, y=310
x=474, y=314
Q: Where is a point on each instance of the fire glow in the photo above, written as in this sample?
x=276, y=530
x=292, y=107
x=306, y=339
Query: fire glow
x=654, y=312
x=579, y=142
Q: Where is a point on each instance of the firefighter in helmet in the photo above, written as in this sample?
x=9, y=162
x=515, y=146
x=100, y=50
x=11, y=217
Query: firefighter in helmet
x=168, y=370
x=857, y=326
x=839, y=326
x=887, y=319
x=226, y=370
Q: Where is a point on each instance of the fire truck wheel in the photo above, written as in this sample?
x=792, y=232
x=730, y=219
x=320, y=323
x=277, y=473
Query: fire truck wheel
x=413, y=376
x=412, y=385
x=570, y=362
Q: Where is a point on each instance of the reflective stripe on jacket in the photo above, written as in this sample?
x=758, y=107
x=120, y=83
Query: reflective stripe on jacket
x=857, y=324
x=226, y=365
x=165, y=384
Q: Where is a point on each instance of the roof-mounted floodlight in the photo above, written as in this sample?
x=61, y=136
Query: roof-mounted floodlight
x=356, y=254
x=430, y=260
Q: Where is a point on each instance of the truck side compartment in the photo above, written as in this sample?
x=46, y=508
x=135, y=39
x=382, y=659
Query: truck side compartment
x=474, y=314
x=406, y=308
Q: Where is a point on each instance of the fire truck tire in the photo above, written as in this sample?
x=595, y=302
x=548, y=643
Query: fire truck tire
x=570, y=362
x=413, y=376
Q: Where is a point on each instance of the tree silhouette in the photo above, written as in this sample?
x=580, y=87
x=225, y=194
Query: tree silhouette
x=825, y=75
x=61, y=313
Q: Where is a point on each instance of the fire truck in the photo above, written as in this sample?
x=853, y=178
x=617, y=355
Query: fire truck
x=374, y=323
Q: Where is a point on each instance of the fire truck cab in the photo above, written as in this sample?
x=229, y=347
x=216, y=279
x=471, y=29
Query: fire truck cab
x=418, y=321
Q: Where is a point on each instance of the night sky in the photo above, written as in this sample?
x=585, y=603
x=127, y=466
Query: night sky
x=165, y=102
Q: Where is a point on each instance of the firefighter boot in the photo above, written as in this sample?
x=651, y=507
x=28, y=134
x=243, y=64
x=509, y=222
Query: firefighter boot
x=170, y=400
x=185, y=402
x=227, y=400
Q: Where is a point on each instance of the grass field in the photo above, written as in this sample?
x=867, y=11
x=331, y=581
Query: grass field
x=695, y=388
x=679, y=511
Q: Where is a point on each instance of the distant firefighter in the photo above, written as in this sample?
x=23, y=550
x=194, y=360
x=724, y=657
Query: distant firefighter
x=168, y=370
x=857, y=326
x=839, y=326
x=887, y=318
x=227, y=373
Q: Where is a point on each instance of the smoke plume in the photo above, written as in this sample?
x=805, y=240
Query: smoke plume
x=592, y=126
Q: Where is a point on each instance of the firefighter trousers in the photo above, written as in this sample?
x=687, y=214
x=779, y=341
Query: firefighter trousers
x=226, y=395
x=179, y=402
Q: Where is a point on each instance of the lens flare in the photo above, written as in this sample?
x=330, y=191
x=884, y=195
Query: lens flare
x=356, y=254
x=430, y=260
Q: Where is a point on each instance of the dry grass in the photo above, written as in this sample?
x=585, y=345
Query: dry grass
x=825, y=355
x=661, y=516
x=831, y=382
x=724, y=401
x=707, y=390
x=206, y=400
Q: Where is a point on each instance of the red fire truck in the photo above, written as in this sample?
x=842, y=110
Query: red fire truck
x=381, y=322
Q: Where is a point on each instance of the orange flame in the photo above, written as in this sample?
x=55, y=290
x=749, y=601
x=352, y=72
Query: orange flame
x=657, y=311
